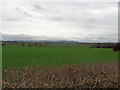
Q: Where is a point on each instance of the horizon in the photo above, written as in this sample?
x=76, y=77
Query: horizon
x=30, y=38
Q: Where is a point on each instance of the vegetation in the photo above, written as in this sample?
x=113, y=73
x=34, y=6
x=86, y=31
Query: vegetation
x=70, y=76
x=54, y=54
x=58, y=65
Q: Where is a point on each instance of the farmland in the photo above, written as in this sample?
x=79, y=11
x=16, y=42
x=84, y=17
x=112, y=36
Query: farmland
x=55, y=54
x=29, y=65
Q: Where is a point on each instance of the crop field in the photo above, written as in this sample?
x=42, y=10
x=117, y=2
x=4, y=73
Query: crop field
x=59, y=66
x=54, y=55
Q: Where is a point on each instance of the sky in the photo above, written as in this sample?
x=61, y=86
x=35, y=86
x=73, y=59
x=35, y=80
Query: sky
x=76, y=21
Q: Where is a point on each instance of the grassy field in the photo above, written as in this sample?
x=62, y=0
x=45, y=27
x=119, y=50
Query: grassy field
x=19, y=56
x=80, y=66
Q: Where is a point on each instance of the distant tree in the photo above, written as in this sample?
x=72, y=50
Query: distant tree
x=30, y=45
x=116, y=47
x=23, y=44
x=3, y=44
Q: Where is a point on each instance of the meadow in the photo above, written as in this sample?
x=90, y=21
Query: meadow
x=55, y=55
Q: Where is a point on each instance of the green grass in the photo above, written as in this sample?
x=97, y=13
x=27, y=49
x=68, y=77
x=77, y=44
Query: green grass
x=19, y=56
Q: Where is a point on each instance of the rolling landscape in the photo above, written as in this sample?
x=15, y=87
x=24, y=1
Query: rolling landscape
x=54, y=54
x=62, y=44
x=59, y=64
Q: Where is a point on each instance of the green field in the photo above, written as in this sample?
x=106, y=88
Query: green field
x=19, y=56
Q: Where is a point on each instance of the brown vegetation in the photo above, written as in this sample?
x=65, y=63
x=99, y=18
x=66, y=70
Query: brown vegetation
x=116, y=47
x=70, y=76
x=104, y=45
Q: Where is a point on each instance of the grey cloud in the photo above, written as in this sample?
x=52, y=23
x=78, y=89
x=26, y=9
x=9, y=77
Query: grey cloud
x=37, y=8
x=17, y=8
x=89, y=38
x=57, y=19
x=58, y=11
x=27, y=14
x=98, y=19
x=93, y=39
x=25, y=37
x=16, y=37
x=85, y=19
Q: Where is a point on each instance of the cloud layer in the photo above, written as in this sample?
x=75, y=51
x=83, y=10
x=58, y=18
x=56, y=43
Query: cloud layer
x=78, y=21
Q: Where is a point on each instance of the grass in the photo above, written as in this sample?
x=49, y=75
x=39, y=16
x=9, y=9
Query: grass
x=54, y=55
x=38, y=67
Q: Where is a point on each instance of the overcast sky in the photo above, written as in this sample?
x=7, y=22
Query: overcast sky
x=78, y=21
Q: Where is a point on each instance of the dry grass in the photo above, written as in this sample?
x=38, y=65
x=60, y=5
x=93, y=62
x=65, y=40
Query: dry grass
x=70, y=76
